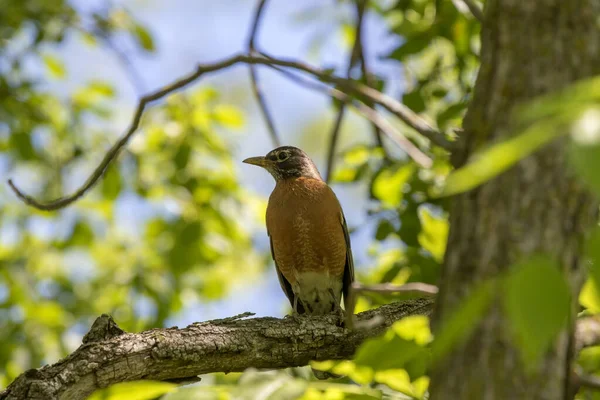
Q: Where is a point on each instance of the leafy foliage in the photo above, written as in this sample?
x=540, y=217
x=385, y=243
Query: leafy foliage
x=161, y=231
x=165, y=229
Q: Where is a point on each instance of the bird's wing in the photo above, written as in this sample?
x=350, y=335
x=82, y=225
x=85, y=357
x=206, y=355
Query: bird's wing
x=349, y=267
x=285, y=285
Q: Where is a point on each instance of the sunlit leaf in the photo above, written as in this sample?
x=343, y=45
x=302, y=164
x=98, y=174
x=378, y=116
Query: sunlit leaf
x=589, y=359
x=489, y=163
x=402, y=347
x=144, y=38
x=584, y=151
x=537, y=303
x=434, y=234
x=54, y=66
x=388, y=185
x=228, y=116
x=589, y=297
x=111, y=182
x=136, y=390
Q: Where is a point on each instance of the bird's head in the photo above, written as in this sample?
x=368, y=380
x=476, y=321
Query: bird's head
x=286, y=162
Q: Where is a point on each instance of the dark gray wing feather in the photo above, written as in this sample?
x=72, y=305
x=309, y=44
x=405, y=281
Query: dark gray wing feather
x=349, y=268
x=285, y=285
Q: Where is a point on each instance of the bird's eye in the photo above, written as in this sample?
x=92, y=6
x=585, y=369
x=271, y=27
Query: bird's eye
x=283, y=155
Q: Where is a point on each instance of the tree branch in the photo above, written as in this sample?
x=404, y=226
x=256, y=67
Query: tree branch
x=347, y=86
x=254, y=75
x=475, y=9
x=370, y=82
x=109, y=355
x=587, y=332
x=369, y=113
x=354, y=58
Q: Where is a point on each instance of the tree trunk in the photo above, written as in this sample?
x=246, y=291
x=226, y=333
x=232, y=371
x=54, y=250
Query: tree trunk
x=528, y=48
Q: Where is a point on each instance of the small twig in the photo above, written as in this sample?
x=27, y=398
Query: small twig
x=354, y=58
x=350, y=86
x=134, y=77
x=346, y=85
x=227, y=320
x=420, y=288
x=587, y=332
x=583, y=379
x=369, y=113
x=254, y=75
x=368, y=78
x=415, y=288
x=475, y=9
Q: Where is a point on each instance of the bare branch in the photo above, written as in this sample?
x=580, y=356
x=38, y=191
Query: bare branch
x=419, y=288
x=369, y=113
x=345, y=85
x=110, y=355
x=583, y=379
x=368, y=78
x=587, y=332
x=354, y=58
x=475, y=9
x=134, y=77
x=254, y=75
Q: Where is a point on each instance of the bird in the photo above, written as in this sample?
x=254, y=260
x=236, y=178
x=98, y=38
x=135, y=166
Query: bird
x=308, y=234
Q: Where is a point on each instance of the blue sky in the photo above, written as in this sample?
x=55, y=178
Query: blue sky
x=187, y=32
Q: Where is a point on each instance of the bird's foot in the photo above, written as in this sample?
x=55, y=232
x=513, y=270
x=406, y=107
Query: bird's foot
x=298, y=318
x=340, y=317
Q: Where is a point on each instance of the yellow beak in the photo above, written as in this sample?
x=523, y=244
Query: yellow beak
x=260, y=161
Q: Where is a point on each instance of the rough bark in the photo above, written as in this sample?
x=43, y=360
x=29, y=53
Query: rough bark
x=109, y=355
x=528, y=48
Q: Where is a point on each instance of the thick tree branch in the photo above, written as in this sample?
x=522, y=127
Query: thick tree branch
x=254, y=75
x=109, y=355
x=347, y=86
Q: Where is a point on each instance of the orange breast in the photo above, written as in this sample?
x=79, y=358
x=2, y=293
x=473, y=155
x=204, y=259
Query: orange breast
x=304, y=221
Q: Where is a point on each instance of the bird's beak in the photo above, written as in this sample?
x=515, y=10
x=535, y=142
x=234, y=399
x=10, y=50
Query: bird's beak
x=260, y=161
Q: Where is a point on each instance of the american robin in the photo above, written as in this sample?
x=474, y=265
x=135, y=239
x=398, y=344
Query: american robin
x=309, y=237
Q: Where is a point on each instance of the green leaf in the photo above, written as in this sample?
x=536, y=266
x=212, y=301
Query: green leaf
x=228, y=116
x=111, y=182
x=458, y=326
x=384, y=229
x=589, y=297
x=388, y=185
x=410, y=47
x=143, y=37
x=434, y=234
x=452, y=112
x=199, y=393
x=491, y=162
x=357, y=155
x=537, y=303
x=414, y=100
x=136, y=390
x=102, y=89
x=584, y=151
x=82, y=235
x=589, y=359
x=402, y=347
x=586, y=161
x=182, y=156
x=54, y=66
